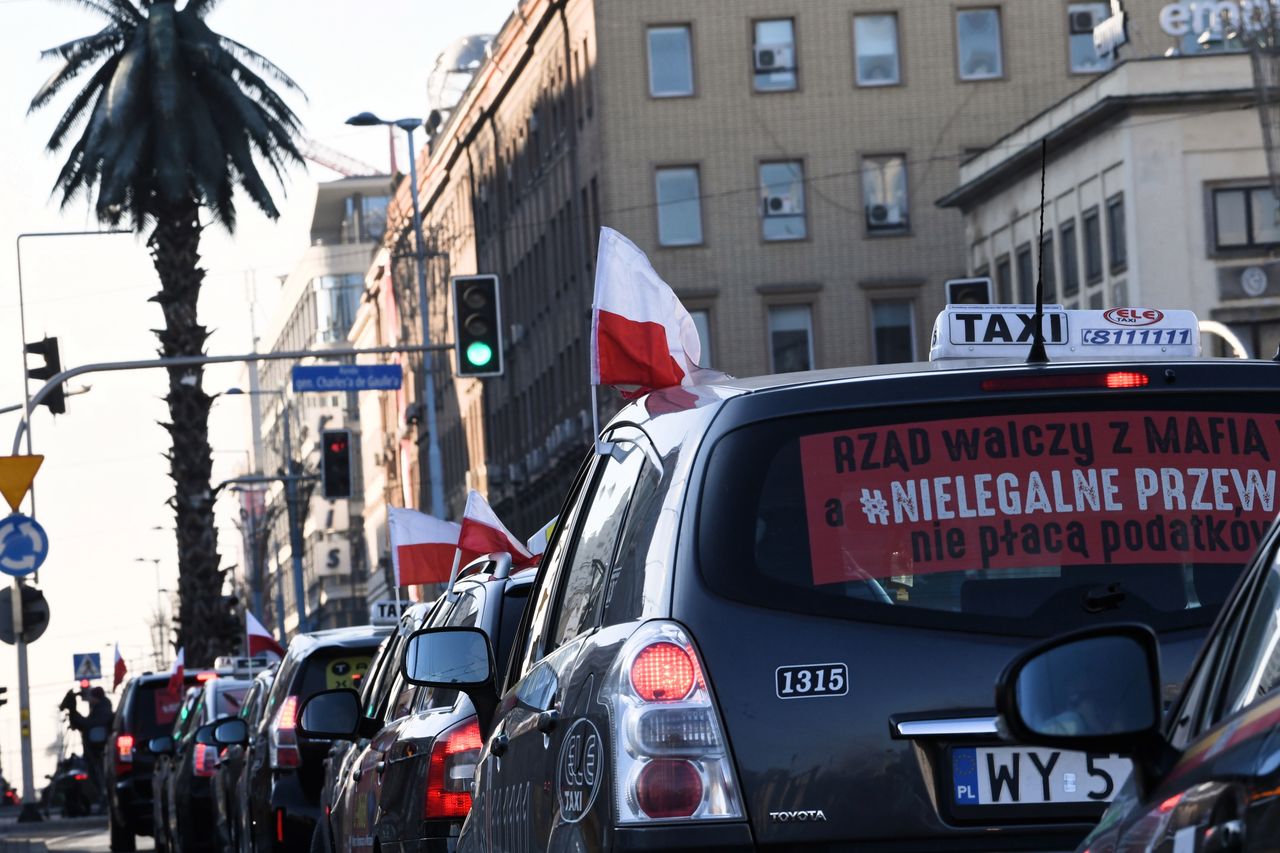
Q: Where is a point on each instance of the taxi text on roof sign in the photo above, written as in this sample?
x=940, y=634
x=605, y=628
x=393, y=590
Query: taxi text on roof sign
x=1005, y=331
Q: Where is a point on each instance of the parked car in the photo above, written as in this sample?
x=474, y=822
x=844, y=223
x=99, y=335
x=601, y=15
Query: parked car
x=773, y=609
x=409, y=783
x=1207, y=773
x=231, y=765
x=279, y=797
x=144, y=711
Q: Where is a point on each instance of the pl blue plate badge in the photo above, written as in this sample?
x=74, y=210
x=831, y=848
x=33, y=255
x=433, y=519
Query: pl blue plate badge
x=23, y=545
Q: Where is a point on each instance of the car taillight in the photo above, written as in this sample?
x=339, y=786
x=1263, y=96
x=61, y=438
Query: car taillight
x=671, y=759
x=453, y=764
x=205, y=760
x=1116, y=379
x=124, y=754
x=81, y=777
x=284, y=736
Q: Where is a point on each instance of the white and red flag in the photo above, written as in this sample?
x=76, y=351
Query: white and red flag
x=642, y=337
x=422, y=546
x=120, y=669
x=483, y=533
x=258, y=639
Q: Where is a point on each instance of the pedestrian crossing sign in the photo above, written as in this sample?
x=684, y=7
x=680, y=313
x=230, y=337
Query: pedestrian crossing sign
x=87, y=665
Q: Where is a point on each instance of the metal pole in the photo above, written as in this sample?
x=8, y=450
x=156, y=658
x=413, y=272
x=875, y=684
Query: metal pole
x=435, y=465
x=30, y=811
x=295, y=529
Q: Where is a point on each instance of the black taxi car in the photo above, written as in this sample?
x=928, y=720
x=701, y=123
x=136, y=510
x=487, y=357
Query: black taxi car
x=773, y=609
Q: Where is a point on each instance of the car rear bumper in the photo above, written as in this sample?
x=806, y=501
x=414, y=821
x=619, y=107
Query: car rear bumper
x=131, y=803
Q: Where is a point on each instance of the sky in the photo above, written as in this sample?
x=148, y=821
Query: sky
x=101, y=493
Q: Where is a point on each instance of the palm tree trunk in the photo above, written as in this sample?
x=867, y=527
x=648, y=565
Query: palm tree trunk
x=206, y=627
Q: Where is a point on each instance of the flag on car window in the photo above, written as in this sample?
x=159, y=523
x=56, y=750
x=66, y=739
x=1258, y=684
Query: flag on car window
x=120, y=669
x=642, y=338
x=258, y=639
x=422, y=546
x=537, y=543
x=483, y=533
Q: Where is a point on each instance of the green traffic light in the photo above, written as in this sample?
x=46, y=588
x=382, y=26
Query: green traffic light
x=479, y=354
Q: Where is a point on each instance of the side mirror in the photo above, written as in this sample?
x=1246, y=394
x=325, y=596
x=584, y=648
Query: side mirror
x=454, y=659
x=230, y=731
x=1096, y=690
x=331, y=714
x=204, y=734
x=162, y=745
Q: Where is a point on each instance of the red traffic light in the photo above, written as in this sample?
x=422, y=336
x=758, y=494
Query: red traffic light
x=84, y=684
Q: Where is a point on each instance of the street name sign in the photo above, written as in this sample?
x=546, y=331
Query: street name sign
x=23, y=545
x=16, y=474
x=321, y=378
x=87, y=665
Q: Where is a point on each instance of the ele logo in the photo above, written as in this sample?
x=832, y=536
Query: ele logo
x=1133, y=316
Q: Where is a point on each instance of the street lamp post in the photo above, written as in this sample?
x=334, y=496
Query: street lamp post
x=435, y=465
x=159, y=609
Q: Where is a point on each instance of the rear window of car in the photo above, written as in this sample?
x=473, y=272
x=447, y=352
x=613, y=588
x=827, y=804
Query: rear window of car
x=229, y=701
x=150, y=716
x=333, y=668
x=1024, y=517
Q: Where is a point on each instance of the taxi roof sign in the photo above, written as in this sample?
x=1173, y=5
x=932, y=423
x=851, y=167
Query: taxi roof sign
x=1006, y=331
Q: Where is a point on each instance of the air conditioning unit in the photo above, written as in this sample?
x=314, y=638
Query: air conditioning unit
x=780, y=205
x=774, y=57
x=885, y=216
x=1081, y=22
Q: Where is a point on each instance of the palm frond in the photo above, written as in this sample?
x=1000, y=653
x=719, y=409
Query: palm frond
x=248, y=55
x=200, y=7
x=80, y=103
x=109, y=35
x=120, y=11
x=80, y=55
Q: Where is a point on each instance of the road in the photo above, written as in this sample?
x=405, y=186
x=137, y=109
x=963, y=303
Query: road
x=75, y=835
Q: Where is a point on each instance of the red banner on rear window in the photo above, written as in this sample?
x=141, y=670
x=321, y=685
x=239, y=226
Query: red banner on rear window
x=1039, y=490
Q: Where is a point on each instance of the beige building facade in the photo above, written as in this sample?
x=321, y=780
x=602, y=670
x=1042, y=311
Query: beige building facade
x=779, y=163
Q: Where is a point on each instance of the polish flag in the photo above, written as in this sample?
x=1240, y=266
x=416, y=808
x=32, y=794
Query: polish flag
x=537, y=543
x=120, y=669
x=483, y=533
x=642, y=338
x=177, y=676
x=259, y=640
x=422, y=546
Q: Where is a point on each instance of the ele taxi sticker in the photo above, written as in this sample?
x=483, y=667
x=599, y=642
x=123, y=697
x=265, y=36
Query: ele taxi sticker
x=1071, y=488
x=579, y=769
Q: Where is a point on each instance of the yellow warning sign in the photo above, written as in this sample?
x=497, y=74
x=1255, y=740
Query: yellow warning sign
x=16, y=474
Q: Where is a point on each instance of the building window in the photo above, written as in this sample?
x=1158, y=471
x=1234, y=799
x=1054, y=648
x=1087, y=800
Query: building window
x=1092, y=245
x=679, y=206
x=978, y=44
x=1070, y=260
x=884, y=193
x=875, y=48
x=894, y=336
x=1026, y=275
x=1081, y=19
x=791, y=338
x=702, y=322
x=670, y=62
x=1245, y=218
x=782, y=200
x=1116, y=249
x=1046, y=263
x=774, y=55
x=1004, y=280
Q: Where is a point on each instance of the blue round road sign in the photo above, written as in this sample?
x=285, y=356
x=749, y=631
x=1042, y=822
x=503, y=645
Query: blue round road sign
x=23, y=545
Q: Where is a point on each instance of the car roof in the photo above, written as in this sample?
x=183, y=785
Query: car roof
x=338, y=638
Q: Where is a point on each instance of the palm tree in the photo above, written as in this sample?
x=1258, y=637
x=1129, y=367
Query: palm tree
x=173, y=119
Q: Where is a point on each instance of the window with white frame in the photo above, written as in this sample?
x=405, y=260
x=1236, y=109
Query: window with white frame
x=875, y=49
x=1081, y=19
x=670, y=62
x=791, y=338
x=702, y=322
x=679, y=206
x=782, y=200
x=978, y=44
x=884, y=193
x=894, y=331
x=773, y=55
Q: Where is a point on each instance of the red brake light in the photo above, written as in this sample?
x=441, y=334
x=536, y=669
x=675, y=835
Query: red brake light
x=288, y=718
x=80, y=777
x=1169, y=804
x=202, y=677
x=663, y=672
x=205, y=760
x=1050, y=381
x=669, y=788
x=124, y=753
x=284, y=737
x=453, y=763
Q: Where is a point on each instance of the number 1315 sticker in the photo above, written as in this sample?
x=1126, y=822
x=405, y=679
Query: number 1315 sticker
x=815, y=679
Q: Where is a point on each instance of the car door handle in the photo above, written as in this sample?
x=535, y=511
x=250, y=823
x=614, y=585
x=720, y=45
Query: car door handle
x=499, y=744
x=356, y=774
x=1225, y=837
x=381, y=767
x=548, y=720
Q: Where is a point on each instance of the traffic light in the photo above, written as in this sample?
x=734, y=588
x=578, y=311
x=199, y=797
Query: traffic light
x=335, y=463
x=477, y=325
x=4, y=699
x=56, y=399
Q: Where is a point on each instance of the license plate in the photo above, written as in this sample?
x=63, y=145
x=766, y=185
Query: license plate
x=1014, y=775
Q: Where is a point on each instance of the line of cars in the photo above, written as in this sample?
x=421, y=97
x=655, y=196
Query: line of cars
x=773, y=611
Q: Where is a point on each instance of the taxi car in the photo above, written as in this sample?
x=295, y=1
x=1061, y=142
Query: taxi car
x=774, y=608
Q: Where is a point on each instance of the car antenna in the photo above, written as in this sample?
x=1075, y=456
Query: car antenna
x=1038, y=354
